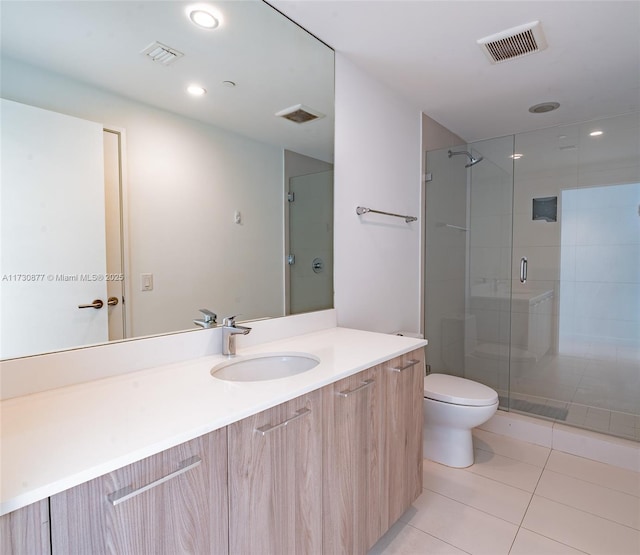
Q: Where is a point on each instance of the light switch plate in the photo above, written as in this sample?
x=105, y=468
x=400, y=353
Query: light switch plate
x=146, y=282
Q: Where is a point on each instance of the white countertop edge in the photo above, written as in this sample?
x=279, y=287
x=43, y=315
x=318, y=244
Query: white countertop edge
x=296, y=386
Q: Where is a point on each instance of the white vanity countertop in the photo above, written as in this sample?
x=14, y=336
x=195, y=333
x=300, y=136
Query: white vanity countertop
x=57, y=439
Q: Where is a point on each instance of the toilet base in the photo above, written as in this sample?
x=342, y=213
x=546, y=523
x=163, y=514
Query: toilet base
x=448, y=446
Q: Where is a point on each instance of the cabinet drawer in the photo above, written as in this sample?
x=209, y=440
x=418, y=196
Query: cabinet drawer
x=172, y=502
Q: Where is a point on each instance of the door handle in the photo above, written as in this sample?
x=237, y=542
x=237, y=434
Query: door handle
x=112, y=301
x=523, y=269
x=97, y=304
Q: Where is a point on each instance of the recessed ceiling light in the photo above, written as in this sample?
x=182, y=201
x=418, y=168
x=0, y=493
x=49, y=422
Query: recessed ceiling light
x=204, y=16
x=544, y=107
x=596, y=133
x=196, y=90
x=516, y=156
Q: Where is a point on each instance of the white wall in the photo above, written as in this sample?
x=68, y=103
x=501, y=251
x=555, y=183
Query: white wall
x=185, y=180
x=377, y=165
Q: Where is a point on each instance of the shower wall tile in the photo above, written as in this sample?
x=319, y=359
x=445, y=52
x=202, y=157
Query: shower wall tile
x=450, y=263
x=490, y=231
x=489, y=263
x=610, y=263
x=608, y=301
x=628, y=171
x=608, y=226
x=527, y=232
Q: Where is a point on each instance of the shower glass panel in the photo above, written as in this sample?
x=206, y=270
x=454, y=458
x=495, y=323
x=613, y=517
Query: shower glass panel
x=575, y=325
x=532, y=271
x=468, y=261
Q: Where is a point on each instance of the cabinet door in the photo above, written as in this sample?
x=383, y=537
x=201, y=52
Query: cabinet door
x=172, y=502
x=352, y=496
x=26, y=531
x=404, y=395
x=275, y=480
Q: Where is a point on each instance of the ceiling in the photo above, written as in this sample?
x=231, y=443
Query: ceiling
x=273, y=63
x=426, y=51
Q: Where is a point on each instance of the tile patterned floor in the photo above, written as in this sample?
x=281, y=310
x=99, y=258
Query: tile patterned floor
x=520, y=499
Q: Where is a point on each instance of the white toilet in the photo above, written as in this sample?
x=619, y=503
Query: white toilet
x=453, y=406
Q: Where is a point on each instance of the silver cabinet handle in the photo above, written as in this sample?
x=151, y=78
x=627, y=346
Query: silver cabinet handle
x=409, y=364
x=346, y=392
x=127, y=493
x=264, y=430
x=95, y=304
x=523, y=269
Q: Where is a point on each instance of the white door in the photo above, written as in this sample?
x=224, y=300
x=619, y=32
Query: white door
x=52, y=256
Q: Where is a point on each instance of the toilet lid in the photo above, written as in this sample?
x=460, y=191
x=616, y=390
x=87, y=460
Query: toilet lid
x=458, y=391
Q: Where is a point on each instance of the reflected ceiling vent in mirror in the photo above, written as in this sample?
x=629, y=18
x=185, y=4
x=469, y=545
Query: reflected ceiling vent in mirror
x=161, y=53
x=513, y=43
x=299, y=114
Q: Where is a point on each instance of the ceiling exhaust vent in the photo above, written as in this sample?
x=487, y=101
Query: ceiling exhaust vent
x=161, y=53
x=299, y=114
x=513, y=43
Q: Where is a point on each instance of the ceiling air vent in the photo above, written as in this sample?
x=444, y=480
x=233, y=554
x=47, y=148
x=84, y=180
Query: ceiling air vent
x=513, y=43
x=161, y=53
x=299, y=114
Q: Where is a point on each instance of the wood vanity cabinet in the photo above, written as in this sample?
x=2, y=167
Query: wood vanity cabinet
x=327, y=472
x=403, y=420
x=353, y=461
x=172, y=502
x=275, y=480
x=373, y=452
x=26, y=531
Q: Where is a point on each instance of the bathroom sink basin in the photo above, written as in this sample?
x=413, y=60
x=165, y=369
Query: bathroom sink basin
x=268, y=366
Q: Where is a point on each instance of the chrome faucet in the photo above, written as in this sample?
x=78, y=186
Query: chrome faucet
x=229, y=332
x=209, y=320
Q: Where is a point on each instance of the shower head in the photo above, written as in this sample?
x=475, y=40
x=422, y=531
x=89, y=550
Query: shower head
x=472, y=160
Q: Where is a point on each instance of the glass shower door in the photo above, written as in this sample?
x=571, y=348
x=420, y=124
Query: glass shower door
x=468, y=261
x=575, y=327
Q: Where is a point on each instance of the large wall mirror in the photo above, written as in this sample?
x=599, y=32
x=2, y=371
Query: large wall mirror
x=128, y=196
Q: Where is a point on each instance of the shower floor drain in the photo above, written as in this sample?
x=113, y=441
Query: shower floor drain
x=556, y=413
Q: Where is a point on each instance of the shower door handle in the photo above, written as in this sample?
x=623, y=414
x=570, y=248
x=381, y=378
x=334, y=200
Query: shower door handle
x=523, y=269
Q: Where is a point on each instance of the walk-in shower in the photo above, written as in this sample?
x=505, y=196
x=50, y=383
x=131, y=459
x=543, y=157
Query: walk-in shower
x=472, y=160
x=532, y=271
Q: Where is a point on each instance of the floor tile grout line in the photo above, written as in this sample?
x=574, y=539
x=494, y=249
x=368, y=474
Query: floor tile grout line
x=597, y=462
x=437, y=538
x=489, y=478
x=524, y=514
x=474, y=508
x=513, y=459
x=616, y=490
x=553, y=539
x=588, y=512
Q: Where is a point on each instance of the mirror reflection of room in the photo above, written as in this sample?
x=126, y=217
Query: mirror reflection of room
x=154, y=202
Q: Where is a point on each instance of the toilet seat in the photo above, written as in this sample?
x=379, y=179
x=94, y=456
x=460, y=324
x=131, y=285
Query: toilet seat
x=458, y=391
